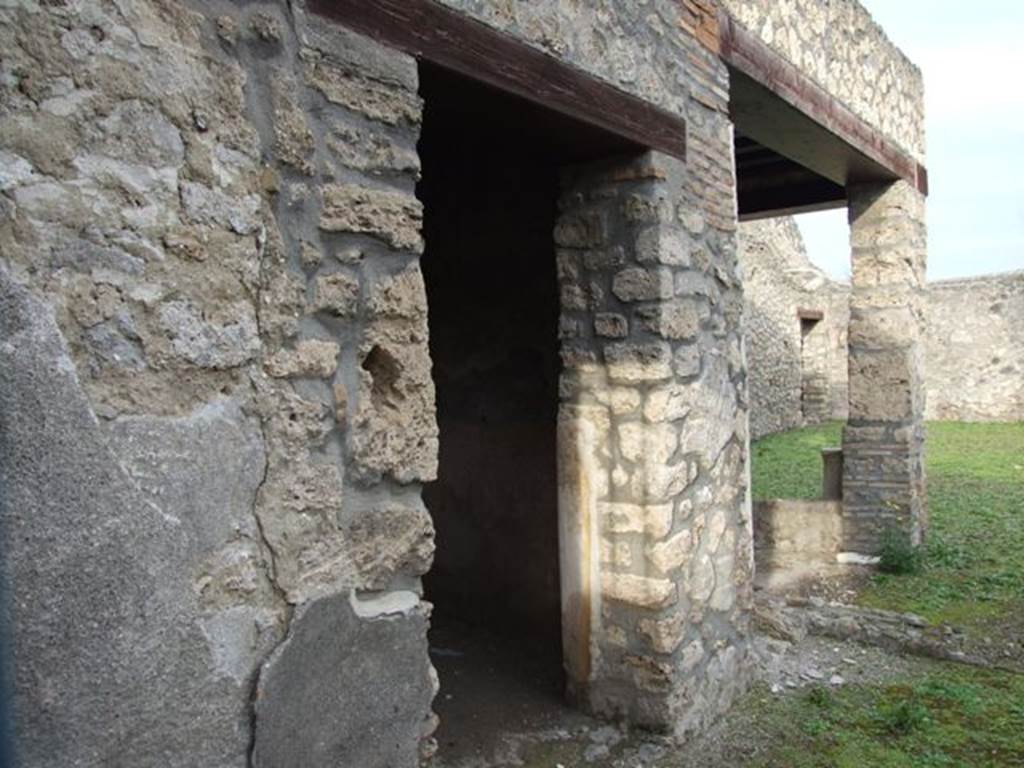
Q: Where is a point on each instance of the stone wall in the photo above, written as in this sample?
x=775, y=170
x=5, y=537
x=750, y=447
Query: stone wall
x=787, y=357
x=216, y=394
x=651, y=350
x=840, y=47
x=215, y=343
x=883, y=439
x=800, y=535
x=215, y=387
x=974, y=336
x=975, y=348
x=653, y=446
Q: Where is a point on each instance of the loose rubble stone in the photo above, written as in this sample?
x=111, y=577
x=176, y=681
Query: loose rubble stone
x=611, y=325
x=393, y=217
x=638, y=590
x=670, y=554
x=654, y=520
x=638, y=284
x=210, y=206
x=664, y=635
x=294, y=142
x=337, y=293
x=638, y=362
x=309, y=358
x=350, y=87
x=401, y=295
x=209, y=344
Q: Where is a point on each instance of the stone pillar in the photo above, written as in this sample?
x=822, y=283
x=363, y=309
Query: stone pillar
x=883, y=471
x=655, y=547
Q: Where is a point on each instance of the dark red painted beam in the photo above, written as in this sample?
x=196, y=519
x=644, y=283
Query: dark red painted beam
x=745, y=52
x=431, y=31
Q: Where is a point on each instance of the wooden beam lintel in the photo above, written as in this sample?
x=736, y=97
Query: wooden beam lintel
x=743, y=51
x=429, y=30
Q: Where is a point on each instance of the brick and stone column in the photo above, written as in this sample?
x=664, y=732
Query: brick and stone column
x=655, y=559
x=883, y=476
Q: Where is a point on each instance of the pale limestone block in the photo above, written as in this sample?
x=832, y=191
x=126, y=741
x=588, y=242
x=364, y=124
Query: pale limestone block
x=670, y=554
x=640, y=591
x=640, y=284
x=669, y=403
x=393, y=217
x=337, y=294
x=652, y=443
x=654, y=520
x=664, y=635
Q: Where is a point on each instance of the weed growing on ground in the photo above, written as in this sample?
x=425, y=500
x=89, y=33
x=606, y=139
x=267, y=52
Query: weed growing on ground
x=971, y=569
x=897, y=555
x=970, y=573
x=954, y=716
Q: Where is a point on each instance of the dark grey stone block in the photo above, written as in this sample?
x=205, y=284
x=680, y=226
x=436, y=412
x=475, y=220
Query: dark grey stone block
x=345, y=689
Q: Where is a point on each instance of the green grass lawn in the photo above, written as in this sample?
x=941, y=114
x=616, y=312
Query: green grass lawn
x=973, y=564
x=956, y=716
x=788, y=465
x=971, y=575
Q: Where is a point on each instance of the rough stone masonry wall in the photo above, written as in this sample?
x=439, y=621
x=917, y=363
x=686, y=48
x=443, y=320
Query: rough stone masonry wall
x=883, y=440
x=214, y=342
x=778, y=281
x=653, y=439
x=974, y=335
x=215, y=389
x=974, y=348
x=840, y=47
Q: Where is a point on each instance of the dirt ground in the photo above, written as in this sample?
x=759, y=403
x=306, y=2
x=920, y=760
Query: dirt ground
x=501, y=705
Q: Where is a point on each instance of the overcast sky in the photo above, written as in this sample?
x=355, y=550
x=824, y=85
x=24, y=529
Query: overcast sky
x=972, y=56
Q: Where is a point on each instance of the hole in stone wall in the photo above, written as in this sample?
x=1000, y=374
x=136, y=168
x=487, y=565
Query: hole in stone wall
x=384, y=372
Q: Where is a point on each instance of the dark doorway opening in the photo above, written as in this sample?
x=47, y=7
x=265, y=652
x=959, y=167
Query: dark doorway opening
x=489, y=188
x=814, y=384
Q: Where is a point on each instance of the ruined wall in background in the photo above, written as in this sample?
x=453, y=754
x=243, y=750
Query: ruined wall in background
x=215, y=389
x=974, y=348
x=974, y=336
x=839, y=46
x=778, y=282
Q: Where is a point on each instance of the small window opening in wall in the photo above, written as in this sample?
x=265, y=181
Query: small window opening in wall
x=813, y=366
